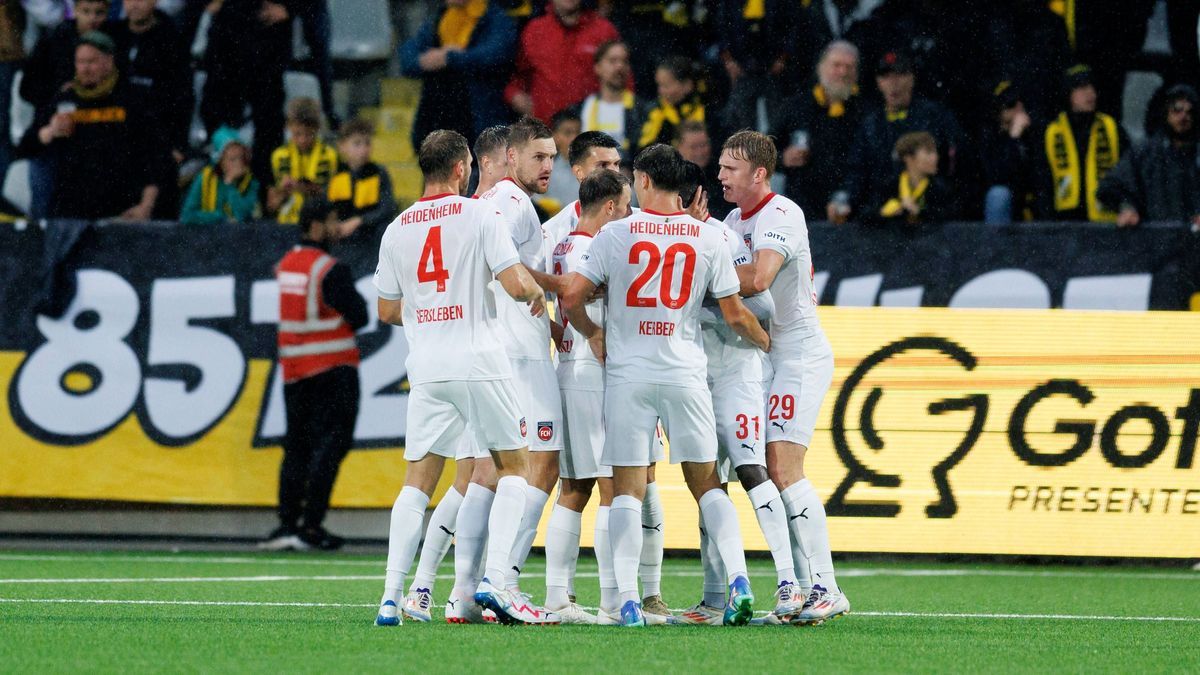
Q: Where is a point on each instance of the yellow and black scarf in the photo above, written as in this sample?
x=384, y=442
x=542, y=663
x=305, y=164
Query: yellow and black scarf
x=210, y=184
x=1103, y=152
x=895, y=206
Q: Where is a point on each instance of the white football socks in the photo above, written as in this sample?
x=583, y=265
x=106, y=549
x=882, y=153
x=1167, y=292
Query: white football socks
x=714, y=571
x=404, y=533
x=535, y=503
x=772, y=519
x=503, y=525
x=604, y=561
x=562, y=550
x=438, y=536
x=470, y=532
x=625, y=532
x=806, y=518
x=650, y=563
x=721, y=521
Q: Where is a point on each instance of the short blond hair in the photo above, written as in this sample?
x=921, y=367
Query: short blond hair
x=758, y=149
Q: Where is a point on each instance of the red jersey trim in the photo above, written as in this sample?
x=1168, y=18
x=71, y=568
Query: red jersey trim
x=433, y=197
x=758, y=207
x=656, y=213
x=581, y=233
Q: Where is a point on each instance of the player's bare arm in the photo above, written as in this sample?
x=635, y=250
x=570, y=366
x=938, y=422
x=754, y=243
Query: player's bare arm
x=743, y=322
x=760, y=274
x=391, y=311
x=552, y=283
x=576, y=295
x=578, y=292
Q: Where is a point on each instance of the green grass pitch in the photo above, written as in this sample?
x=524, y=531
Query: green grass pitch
x=244, y=612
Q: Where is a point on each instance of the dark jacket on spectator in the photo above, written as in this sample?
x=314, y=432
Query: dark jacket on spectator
x=1034, y=53
x=555, y=61
x=102, y=168
x=657, y=29
x=1009, y=162
x=51, y=65
x=155, y=64
x=831, y=131
x=468, y=95
x=933, y=197
x=1158, y=179
x=872, y=169
x=366, y=193
x=756, y=43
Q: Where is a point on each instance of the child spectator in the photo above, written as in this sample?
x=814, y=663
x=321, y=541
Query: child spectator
x=920, y=197
x=303, y=166
x=361, y=190
x=225, y=191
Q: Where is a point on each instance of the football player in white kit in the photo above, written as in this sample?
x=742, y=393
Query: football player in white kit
x=460, y=375
x=531, y=152
x=592, y=150
x=658, y=265
x=738, y=376
x=801, y=358
x=603, y=197
x=491, y=151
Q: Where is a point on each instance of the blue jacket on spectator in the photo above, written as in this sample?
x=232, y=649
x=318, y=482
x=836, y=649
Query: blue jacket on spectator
x=468, y=94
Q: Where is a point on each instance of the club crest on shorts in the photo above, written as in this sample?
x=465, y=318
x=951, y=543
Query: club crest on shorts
x=545, y=430
x=524, y=429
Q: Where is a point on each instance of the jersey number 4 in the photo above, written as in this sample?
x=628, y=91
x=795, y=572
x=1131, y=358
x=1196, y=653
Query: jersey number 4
x=667, y=260
x=430, y=267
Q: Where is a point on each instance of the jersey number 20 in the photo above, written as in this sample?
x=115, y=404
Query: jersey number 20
x=634, y=298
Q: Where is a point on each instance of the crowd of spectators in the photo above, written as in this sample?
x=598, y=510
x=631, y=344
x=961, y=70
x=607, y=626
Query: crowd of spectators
x=884, y=111
x=111, y=84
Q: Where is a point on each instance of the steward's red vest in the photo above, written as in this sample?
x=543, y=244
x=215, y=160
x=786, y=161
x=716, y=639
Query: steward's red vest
x=313, y=337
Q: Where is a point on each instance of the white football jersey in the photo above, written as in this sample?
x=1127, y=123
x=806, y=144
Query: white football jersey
x=562, y=223
x=528, y=337
x=732, y=357
x=658, y=268
x=439, y=256
x=567, y=256
x=778, y=224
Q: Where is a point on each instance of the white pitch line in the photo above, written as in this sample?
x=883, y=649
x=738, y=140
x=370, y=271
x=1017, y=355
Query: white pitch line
x=190, y=580
x=199, y=603
x=188, y=560
x=590, y=573
x=909, y=615
x=1056, y=617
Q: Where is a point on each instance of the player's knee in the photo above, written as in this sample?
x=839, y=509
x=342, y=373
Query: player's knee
x=752, y=475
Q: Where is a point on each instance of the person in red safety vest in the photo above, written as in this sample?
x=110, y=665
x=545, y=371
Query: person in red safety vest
x=319, y=311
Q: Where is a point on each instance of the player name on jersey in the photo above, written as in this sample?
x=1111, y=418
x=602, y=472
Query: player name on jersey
x=433, y=212
x=656, y=328
x=451, y=313
x=668, y=229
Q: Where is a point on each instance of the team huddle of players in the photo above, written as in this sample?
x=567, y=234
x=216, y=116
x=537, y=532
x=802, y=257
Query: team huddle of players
x=658, y=327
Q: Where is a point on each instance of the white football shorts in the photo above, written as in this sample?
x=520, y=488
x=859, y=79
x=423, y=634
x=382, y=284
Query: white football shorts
x=440, y=412
x=632, y=411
